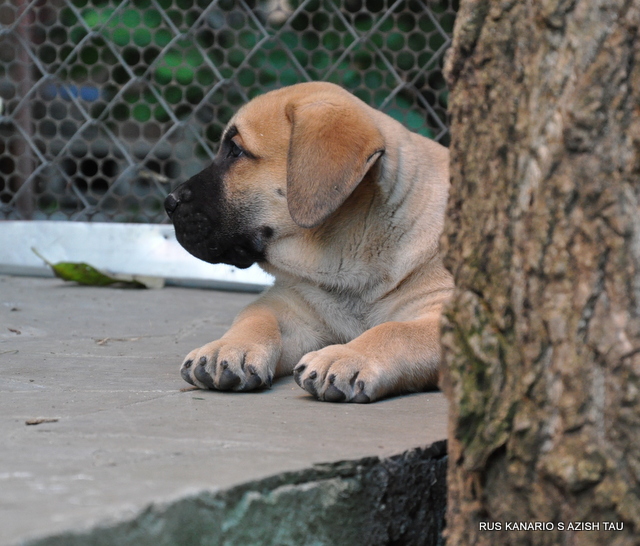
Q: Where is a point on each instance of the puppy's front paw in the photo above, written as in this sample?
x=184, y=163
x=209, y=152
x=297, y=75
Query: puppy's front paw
x=338, y=373
x=227, y=366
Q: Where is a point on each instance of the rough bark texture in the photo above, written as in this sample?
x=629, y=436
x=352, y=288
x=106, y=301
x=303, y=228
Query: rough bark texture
x=542, y=339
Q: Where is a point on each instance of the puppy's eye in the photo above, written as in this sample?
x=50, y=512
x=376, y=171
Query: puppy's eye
x=235, y=150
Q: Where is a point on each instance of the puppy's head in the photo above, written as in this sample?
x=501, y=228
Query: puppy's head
x=287, y=161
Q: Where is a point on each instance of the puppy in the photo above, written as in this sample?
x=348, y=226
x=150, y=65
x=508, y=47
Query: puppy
x=344, y=207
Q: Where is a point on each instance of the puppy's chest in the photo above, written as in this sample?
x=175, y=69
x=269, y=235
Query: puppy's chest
x=346, y=315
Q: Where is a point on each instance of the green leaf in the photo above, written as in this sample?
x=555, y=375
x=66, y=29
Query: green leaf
x=85, y=274
x=81, y=273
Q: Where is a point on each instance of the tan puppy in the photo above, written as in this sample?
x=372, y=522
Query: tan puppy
x=345, y=207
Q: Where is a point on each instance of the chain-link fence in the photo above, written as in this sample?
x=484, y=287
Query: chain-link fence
x=107, y=104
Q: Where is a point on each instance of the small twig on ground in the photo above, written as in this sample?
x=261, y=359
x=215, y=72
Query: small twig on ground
x=41, y=420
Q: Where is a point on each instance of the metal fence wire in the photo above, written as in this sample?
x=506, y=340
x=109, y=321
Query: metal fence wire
x=105, y=105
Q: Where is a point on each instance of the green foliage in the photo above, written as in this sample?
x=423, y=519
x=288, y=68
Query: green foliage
x=141, y=41
x=159, y=80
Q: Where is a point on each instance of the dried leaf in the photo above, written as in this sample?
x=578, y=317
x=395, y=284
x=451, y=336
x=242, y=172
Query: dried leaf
x=86, y=274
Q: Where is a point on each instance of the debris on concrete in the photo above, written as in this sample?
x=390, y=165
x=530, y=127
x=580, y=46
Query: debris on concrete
x=40, y=420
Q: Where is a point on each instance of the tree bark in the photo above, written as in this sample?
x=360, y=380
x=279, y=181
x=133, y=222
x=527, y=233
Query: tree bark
x=542, y=338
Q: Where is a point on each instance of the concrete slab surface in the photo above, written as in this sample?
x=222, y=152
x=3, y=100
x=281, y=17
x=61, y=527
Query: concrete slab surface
x=97, y=372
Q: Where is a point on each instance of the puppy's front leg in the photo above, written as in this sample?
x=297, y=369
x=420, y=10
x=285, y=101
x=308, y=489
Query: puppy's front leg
x=391, y=358
x=266, y=340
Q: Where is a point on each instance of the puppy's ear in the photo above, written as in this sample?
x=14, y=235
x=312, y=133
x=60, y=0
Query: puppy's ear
x=331, y=149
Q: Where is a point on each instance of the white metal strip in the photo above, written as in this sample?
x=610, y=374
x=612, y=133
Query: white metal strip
x=130, y=249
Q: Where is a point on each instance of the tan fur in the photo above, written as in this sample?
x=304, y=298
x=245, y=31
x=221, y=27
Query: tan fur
x=358, y=204
x=331, y=147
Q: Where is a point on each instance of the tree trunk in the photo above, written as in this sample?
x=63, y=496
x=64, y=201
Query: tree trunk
x=542, y=338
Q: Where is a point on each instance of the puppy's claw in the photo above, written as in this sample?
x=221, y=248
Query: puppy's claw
x=297, y=374
x=334, y=394
x=184, y=372
x=361, y=398
x=228, y=380
x=203, y=376
x=253, y=383
x=309, y=386
x=253, y=380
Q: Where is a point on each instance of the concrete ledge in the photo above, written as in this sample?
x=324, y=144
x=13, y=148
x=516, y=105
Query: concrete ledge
x=118, y=431
x=399, y=500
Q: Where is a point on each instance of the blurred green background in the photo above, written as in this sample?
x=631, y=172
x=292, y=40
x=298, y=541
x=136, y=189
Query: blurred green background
x=109, y=104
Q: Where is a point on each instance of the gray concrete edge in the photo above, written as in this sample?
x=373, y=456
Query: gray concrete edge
x=371, y=501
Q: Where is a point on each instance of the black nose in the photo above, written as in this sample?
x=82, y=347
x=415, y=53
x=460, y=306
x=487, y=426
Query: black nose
x=171, y=204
